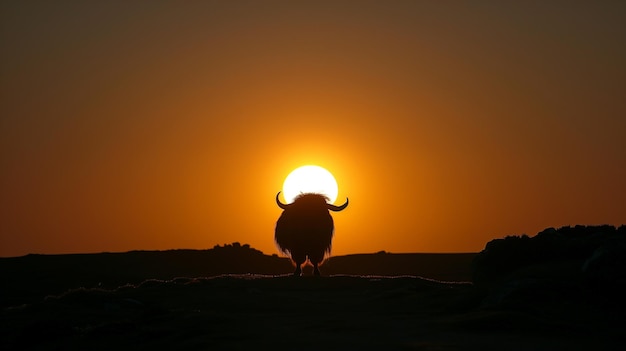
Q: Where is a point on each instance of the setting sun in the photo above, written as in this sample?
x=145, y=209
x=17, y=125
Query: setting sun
x=310, y=179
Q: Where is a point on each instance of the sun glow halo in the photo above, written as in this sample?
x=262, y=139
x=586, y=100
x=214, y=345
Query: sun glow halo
x=310, y=179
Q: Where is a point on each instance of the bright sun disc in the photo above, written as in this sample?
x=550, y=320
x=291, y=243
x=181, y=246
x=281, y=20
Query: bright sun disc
x=310, y=179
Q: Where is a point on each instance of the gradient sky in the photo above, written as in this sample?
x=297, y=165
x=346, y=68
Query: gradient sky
x=149, y=125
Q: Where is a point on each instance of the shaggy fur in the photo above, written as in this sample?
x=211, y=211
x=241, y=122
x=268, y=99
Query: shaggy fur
x=305, y=230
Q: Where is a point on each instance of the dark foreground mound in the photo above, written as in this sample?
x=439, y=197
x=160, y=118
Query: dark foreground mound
x=305, y=313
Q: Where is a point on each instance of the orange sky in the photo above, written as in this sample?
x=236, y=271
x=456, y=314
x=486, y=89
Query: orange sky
x=150, y=125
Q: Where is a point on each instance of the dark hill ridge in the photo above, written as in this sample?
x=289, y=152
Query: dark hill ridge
x=30, y=278
x=444, y=267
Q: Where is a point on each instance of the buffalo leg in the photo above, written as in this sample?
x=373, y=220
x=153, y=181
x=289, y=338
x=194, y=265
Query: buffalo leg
x=298, y=271
x=315, y=260
x=316, y=270
x=299, y=260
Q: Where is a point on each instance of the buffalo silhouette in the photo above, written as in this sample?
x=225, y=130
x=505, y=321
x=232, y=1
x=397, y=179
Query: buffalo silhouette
x=305, y=229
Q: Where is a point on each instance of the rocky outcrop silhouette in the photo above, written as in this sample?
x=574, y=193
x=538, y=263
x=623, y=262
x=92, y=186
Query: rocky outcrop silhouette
x=577, y=263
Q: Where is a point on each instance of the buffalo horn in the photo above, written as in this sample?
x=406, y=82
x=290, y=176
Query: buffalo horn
x=336, y=208
x=280, y=204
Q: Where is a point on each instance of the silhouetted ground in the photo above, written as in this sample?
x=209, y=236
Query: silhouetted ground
x=240, y=312
x=30, y=278
x=523, y=298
